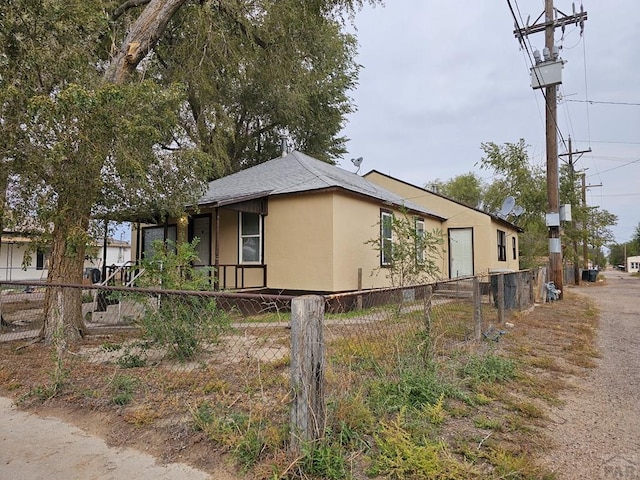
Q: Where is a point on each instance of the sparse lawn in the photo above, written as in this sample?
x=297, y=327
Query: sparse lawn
x=400, y=404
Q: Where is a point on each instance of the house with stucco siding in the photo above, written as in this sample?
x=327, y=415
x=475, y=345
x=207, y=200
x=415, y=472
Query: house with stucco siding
x=298, y=224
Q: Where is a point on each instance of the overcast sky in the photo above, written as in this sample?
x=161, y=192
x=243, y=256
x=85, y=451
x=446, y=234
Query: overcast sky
x=441, y=77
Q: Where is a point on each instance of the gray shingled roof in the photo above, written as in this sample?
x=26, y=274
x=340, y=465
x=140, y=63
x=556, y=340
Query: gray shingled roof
x=296, y=173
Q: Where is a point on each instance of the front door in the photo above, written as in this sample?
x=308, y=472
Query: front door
x=200, y=227
x=460, y=252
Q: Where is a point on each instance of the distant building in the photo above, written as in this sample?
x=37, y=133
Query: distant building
x=633, y=264
x=14, y=265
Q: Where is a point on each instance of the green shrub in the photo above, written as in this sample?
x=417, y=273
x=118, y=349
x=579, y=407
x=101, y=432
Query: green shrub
x=324, y=459
x=401, y=455
x=488, y=369
x=182, y=323
x=123, y=388
x=415, y=388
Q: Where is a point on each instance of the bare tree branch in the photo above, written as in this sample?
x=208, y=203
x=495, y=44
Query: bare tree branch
x=142, y=38
x=126, y=6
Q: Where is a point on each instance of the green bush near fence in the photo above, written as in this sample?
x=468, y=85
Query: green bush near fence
x=184, y=324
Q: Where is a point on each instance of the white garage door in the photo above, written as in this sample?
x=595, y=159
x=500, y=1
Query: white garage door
x=460, y=252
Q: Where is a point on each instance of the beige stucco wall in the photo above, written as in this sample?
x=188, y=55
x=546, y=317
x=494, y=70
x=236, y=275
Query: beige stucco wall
x=298, y=242
x=318, y=242
x=485, y=228
x=356, y=222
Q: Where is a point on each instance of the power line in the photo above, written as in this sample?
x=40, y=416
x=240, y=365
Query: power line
x=586, y=83
x=621, y=195
x=606, y=141
x=619, y=166
x=605, y=103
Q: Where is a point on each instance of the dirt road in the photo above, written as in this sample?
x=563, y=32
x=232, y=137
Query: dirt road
x=597, y=431
x=36, y=448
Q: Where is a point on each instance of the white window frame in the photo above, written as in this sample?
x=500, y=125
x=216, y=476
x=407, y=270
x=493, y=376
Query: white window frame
x=242, y=236
x=420, y=244
x=502, y=246
x=386, y=216
x=514, y=243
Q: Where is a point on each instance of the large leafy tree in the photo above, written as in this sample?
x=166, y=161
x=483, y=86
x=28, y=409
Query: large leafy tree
x=618, y=253
x=599, y=233
x=516, y=175
x=103, y=101
x=467, y=188
x=255, y=70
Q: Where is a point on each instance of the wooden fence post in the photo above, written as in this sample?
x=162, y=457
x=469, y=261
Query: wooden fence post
x=500, y=299
x=428, y=294
x=477, y=308
x=307, y=415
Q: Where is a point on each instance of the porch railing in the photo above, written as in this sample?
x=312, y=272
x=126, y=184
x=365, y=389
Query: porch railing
x=233, y=277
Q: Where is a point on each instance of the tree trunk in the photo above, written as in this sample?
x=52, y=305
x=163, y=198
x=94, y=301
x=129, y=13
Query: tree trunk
x=63, y=305
x=142, y=38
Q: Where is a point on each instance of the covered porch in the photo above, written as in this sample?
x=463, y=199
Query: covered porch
x=230, y=244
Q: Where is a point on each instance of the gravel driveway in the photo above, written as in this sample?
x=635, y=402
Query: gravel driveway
x=597, y=431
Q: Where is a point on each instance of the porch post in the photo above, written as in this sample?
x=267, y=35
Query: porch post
x=104, y=249
x=182, y=233
x=216, y=266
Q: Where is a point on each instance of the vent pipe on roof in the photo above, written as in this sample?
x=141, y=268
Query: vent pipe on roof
x=284, y=149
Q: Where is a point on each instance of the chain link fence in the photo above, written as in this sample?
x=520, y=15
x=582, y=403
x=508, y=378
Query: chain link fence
x=221, y=363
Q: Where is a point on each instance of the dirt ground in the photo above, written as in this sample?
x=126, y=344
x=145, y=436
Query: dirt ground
x=596, y=433
x=45, y=448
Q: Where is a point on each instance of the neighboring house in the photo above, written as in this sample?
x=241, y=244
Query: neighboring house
x=118, y=253
x=477, y=242
x=15, y=245
x=12, y=251
x=295, y=223
x=633, y=264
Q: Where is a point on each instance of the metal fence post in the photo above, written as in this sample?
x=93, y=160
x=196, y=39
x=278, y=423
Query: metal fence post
x=500, y=299
x=477, y=309
x=307, y=415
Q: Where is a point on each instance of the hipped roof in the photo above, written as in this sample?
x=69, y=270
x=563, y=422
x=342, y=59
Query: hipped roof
x=298, y=173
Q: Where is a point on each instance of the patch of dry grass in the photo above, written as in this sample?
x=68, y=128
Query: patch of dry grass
x=497, y=426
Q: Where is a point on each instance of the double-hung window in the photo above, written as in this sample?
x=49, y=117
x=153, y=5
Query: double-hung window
x=250, y=237
x=502, y=246
x=159, y=233
x=386, y=238
x=40, y=260
x=420, y=244
x=514, y=243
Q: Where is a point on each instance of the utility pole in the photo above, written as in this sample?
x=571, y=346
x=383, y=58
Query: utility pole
x=547, y=74
x=585, y=246
x=574, y=200
x=553, y=195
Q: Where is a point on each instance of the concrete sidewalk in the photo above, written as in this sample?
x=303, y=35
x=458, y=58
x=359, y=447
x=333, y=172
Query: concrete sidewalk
x=34, y=448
